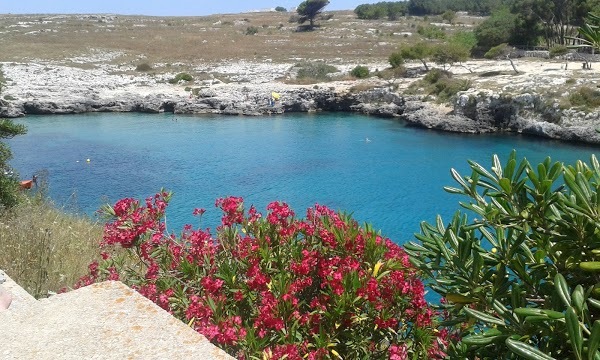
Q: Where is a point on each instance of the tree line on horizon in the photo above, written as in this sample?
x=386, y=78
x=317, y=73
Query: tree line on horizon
x=515, y=22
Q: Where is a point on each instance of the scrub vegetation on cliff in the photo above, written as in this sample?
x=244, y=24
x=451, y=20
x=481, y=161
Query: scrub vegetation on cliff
x=43, y=248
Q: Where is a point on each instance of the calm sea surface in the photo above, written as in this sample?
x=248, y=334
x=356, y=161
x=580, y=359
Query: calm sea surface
x=393, y=180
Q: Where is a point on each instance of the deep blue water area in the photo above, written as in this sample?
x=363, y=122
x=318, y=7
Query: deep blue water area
x=382, y=171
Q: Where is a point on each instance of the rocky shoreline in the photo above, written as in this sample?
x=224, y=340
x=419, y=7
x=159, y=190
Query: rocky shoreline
x=37, y=89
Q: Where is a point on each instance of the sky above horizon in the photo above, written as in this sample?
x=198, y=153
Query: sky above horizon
x=156, y=7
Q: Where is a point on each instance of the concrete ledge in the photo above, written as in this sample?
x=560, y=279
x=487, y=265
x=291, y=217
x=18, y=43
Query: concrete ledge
x=102, y=321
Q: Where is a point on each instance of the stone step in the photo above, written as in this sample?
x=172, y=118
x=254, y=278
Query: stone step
x=102, y=321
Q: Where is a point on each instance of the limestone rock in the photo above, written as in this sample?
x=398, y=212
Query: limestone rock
x=102, y=321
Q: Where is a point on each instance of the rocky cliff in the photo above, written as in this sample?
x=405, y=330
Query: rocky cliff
x=66, y=90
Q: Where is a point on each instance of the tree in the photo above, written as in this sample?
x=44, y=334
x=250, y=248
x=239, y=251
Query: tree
x=280, y=9
x=449, y=16
x=420, y=51
x=466, y=39
x=380, y=10
x=448, y=54
x=8, y=182
x=396, y=9
x=496, y=30
x=370, y=12
x=502, y=51
x=556, y=21
x=309, y=9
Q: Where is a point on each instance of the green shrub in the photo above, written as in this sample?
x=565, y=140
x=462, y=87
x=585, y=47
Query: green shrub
x=274, y=286
x=181, y=77
x=496, y=29
x=360, y=72
x=280, y=9
x=521, y=278
x=396, y=59
x=251, y=30
x=143, y=67
x=585, y=97
x=558, y=50
x=393, y=73
x=9, y=190
x=315, y=70
x=449, y=16
x=499, y=51
x=435, y=75
x=447, y=89
x=441, y=84
x=431, y=32
x=465, y=39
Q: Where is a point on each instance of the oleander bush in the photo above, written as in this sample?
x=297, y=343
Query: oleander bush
x=519, y=270
x=274, y=286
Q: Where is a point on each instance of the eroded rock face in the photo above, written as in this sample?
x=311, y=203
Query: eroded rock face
x=222, y=100
x=427, y=115
x=528, y=114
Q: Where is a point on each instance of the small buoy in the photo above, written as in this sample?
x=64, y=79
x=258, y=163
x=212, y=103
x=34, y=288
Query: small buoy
x=88, y=160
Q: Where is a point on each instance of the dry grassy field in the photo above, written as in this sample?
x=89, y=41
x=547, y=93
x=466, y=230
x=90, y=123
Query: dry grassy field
x=165, y=41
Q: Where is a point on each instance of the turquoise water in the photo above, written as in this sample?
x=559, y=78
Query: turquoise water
x=393, y=181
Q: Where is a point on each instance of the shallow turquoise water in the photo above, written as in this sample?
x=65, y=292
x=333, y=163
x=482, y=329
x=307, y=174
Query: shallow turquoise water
x=393, y=181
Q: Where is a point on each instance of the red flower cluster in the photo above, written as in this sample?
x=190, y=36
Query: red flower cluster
x=276, y=287
x=132, y=221
x=233, y=210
